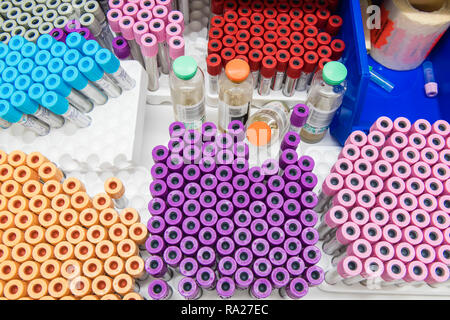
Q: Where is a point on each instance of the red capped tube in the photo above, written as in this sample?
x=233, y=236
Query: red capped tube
x=283, y=19
x=337, y=48
x=215, y=33
x=229, y=41
x=322, y=63
x=270, y=37
x=334, y=25
x=270, y=3
x=255, y=57
x=257, y=18
x=324, y=39
x=242, y=57
x=214, y=68
x=297, y=25
x=296, y=14
x=256, y=43
x=214, y=46
x=284, y=43
x=270, y=13
x=310, y=19
x=244, y=12
x=322, y=4
x=310, y=59
x=283, y=57
x=268, y=70
x=242, y=48
x=283, y=31
x=270, y=24
x=257, y=6
x=297, y=50
x=295, y=4
x=229, y=5
x=322, y=18
x=217, y=6
x=310, y=44
x=230, y=17
x=227, y=55
x=230, y=28
x=310, y=31
x=243, y=36
x=243, y=23
x=293, y=73
x=324, y=52
x=269, y=49
x=217, y=22
x=283, y=7
x=297, y=37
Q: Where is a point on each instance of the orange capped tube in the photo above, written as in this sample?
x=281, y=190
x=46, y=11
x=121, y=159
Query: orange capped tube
x=58, y=288
x=50, y=269
x=127, y=248
x=115, y=189
x=21, y=252
x=34, y=235
x=138, y=233
x=6, y=220
x=70, y=269
x=92, y=268
x=25, y=220
x=114, y=266
x=64, y=251
x=37, y=288
x=48, y=171
x=5, y=253
x=84, y=250
x=102, y=201
x=135, y=267
x=105, y=249
x=29, y=270
x=23, y=174
x=109, y=217
x=51, y=189
x=118, y=232
x=80, y=286
x=39, y=203
x=68, y=218
x=81, y=201
x=124, y=283
x=17, y=158
x=35, y=160
x=11, y=188
x=129, y=216
x=61, y=202
x=72, y=186
x=55, y=234
x=76, y=234
x=90, y=297
x=9, y=270
x=3, y=158
x=12, y=237
x=6, y=172
x=133, y=296
x=14, y=290
x=32, y=188
x=42, y=252
x=89, y=217
x=96, y=233
x=17, y=204
x=48, y=217
x=3, y=202
x=110, y=296
x=102, y=285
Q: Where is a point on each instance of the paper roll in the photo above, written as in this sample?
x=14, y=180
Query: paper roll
x=407, y=34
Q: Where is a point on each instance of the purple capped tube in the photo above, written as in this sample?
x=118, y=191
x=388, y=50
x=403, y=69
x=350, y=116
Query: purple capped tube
x=314, y=276
x=241, y=150
x=270, y=168
x=208, y=218
x=156, y=206
x=156, y=267
x=191, y=226
x=225, y=157
x=308, y=218
x=191, y=208
x=159, y=171
x=192, y=191
x=207, y=236
x=159, y=290
x=208, y=182
x=160, y=154
x=309, y=236
x=306, y=163
x=242, y=219
x=259, y=227
x=209, y=132
x=175, y=181
x=191, y=154
x=173, y=217
x=224, y=174
x=191, y=173
x=276, y=236
x=244, y=278
x=224, y=190
x=206, y=256
x=292, y=228
x=292, y=190
x=261, y=288
x=208, y=199
x=241, y=183
x=308, y=181
x=175, y=163
x=275, y=218
x=225, y=246
x=311, y=255
x=275, y=184
x=295, y=266
x=121, y=48
x=258, y=209
x=224, y=208
x=173, y=256
x=209, y=149
x=189, y=246
x=291, y=208
x=292, y=173
x=292, y=246
x=255, y=175
x=240, y=166
x=236, y=130
x=176, y=145
x=258, y=191
x=291, y=140
x=177, y=129
x=296, y=289
x=72, y=25
x=207, y=165
x=155, y=244
x=225, y=287
x=158, y=189
x=260, y=247
x=175, y=199
x=225, y=227
x=275, y=200
x=173, y=235
x=188, y=267
x=299, y=115
x=287, y=157
x=277, y=256
x=227, y=266
x=224, y=141
x=309, y=200
x=58, y=34
x=262, y=267
x=206, y=278
x=189, y=289
x=242, y=237
x=241, y=200
x=279, y=277
x=192, y=137
x=243, y=257
x=156, y=225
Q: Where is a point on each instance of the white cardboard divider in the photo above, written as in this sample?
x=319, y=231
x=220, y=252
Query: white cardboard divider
x=113, y=140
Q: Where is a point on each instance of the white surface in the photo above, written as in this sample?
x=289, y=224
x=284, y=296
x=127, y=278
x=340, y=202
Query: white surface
x=111, y=141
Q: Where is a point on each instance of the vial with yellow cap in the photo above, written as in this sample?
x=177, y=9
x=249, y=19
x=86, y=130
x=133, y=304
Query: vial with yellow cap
x=235, y=93
x=187, y=89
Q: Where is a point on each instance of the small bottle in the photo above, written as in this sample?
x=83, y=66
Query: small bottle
x=214, y=64
x=12, y=115
x=187, y=91
x=325, y=97
x=431, y=86
x=235, y=93
x=267, y=72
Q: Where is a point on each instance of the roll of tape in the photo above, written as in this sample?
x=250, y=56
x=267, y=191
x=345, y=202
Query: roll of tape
x=408, y=33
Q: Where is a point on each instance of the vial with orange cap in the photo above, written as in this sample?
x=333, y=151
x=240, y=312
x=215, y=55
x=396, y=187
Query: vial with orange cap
x=71, y=269
x=21, y=252
x=49, y=171
x=102, y=285
x=23, y=173
x=72, y=186
x=32, y=188
x=235, y=93
x=115, y=189
x=6, y=172
x=138, y=233
x=64, y=250
x=58, y=288
x=6, y=220
x=50, y=269
x=80, y=286
x=11, y=188
x=17, y=158
x=25, y=220
x=124, y=283
x=5, y=253
x=135, y=267
x=29, y=270
x=35, y=159
x=14, y=289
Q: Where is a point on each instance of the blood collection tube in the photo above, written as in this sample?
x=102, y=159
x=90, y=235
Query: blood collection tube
x=283, y=58
x=149, y=52
x=310, y=59
x=267, y=71
x=255, y=57
x=334, y=24
x=348, y=270
x=214, y=68
x=293, y=73
x=159, y=290
x=337, y=48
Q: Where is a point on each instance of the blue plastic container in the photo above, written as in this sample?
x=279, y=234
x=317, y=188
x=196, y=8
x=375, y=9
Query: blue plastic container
x=365, y=101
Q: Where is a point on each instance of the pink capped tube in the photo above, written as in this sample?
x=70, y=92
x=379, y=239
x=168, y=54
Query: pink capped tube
x=130, y=9
x=417, y=141
x=354, y=182
x=387, y=200
x=345, y=198
x=441, y=171
x=371, y=232
x=436, y=141
x=357, y=138
x=345, y=234
x=394, y=185
x=160, y=12
x=158, y=28
x=370, y=153
x=383, y=125
x=365, y=199
x=331, y=185
x=443, y=254
x=420, y=218
x=126, y=24
x=343, y=167
x=402, y=124
x=373, y=268
x=383, y=250
x=116, y=4
x=383, y=169
x=434, y=187
x=166, y=3
x=379, y=215
x=410, y=155
x=429, y=155
x=394, y=271
x=392, y=233
x=438, y=275
x=350, y=152
x=400, y=218
x=412, y=235
x=114, y=16
x=427, y=202
x=144, y=15
x=415, y=186
x=334, y=218
x=149, y=50
x=402, y=170
x=147, y=4
x=176, y=17
x=440, y=220
x=444, y=156
x=348, y=270
x=407, y=201
x=433, y=236
x=422, y=127
x=405, y=252
x=374, y=184
x=360, y=248
x=376, y=138
x=397, y=140
x=390, y=154
x=362, y=167
x=359, y=215
x=172, y=30
x=176, y=48
x=421, y=170
x=441, y=127
x=416, y=273
x=425, y=253
x=139, y=29
x=444, y=203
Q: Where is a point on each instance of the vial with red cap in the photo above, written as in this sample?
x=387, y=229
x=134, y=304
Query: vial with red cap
x=214, y=68
x=293, y=73
x=283, y=57
x=255, y=57
x=310, y=58
x=267, y=72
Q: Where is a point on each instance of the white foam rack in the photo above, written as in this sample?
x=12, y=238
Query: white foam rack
x=112, y=140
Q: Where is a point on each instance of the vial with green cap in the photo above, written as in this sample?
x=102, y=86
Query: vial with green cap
x=187, y=85
x=111, y=65
x=59, y=105
x=324, y=99
x=12, y=115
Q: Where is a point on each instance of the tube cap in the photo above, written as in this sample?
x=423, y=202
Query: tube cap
x=39, y=74
x=237, y=70
x=121, y=47
x=6, y=91
x=144, y=15
x=173, y=29
x=10, y=74
x=227, y=55
x=176, y=17
x=338, y=47
x=160, y=12
x=107, y=61
x=75, y=41
x=295, y=67
x=55, y=102
x=310, y=58
x=269, y=67
x=28, y=50
x=283, y=58
x=45, y=42
x=72, y=25
x=214, y=64
x=255, y=57
x=16, y=43
x=36, y=92
x=58, y=49
x=114, y=16
x=157, y=27
x=176, y=47
x=13, y=58
x=91, y=47
x=42, y=58
x=25, y=66
x=185, y=67
x=23, y=82
x=4, y=50
x=22, y=102
x=139, y=29
x=58, y=34
x=126, y=27
x=55, y=83
x=149, y=46
x=334, y=73
x=71, y=57
x=74, y=77
x=90, y=69
x=9, y=113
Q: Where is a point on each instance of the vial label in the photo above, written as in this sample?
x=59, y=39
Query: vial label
x=53, y=120
x=318, y=120
x=108, y=87
x=35, y=125
x=77, y=117
x=192, y=116
x=229, y=113
x=123, y=79
x=4, y=124
x=304, y=80
x=255, y=76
